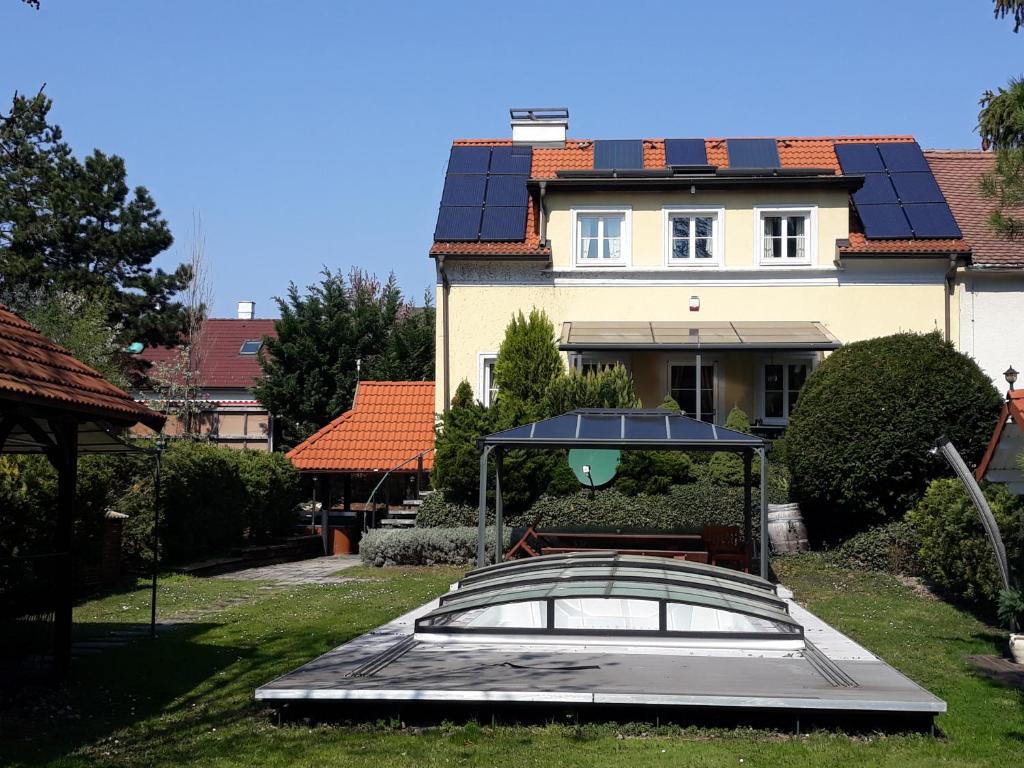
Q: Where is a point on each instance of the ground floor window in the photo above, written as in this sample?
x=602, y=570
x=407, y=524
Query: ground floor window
x=685, y=390
x=781, y=382
x=593, y=362
x=487, y=388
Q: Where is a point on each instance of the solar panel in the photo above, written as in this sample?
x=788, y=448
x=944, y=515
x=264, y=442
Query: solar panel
x=503, y=223
x=859, y=158
x=599, y=427
x=917, y=188
x=464, y=189
x=619, y=154
x=688, y=429
x=903, y=156
x=469, y=160
x=877, y=189
x=685, y=152
x=886, y=220
x=753, y=153
x=646, y=428
x=559, y=427
x=515, y=160
x=931, y=220
x=458, y=223
x=507, y=190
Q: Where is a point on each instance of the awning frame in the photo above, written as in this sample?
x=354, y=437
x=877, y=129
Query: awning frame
x=828, y=342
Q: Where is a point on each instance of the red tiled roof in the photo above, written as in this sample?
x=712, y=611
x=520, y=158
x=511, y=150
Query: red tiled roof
x=36, y=371
x=220, y=364
x=959, y=174
x=390, y=422
x=794, y=152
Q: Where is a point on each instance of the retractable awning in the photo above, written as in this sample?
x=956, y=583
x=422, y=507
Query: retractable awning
x=588, y=335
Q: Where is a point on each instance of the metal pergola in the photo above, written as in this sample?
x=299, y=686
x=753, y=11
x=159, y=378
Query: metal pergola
x=633, y=429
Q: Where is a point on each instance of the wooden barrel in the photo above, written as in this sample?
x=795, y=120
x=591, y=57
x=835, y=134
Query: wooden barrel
x=786, y=530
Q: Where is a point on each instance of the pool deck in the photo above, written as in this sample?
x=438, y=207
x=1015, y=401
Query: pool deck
x=387, y=664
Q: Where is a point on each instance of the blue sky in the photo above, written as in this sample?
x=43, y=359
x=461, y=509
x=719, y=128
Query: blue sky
x=316, y=133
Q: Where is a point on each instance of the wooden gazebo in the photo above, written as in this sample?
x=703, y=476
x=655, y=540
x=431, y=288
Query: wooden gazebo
x=55, y=405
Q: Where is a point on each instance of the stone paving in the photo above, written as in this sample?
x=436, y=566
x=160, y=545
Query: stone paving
x=318, y=570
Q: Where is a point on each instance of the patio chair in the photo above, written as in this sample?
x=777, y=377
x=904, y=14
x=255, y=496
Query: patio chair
x=725, y=546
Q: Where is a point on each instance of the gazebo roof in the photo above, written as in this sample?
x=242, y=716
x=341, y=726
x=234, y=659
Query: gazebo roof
x=627, y=428
x=390, y=422
x=41, y=378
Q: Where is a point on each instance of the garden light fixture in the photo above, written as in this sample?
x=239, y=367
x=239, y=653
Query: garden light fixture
x=1011, y=376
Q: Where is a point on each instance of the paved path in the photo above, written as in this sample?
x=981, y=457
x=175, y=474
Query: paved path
x=318, y=570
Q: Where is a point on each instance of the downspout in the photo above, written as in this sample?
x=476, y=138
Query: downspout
x=948, y=288
x=445, y=290
x=543, y=215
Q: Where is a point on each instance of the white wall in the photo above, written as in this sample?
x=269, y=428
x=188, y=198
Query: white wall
x=992, y=322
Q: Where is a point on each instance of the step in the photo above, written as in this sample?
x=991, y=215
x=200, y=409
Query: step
x=412, y=502
x=391, y=523
x=424, y=494
x=402, y=514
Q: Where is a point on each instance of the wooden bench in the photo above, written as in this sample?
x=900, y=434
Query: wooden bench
x=695, y=556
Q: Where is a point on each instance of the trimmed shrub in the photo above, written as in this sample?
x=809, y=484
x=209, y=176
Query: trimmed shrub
x=272, y=494
x=726, y=468
x=423, y=546
x=891, y=548
x=437, y=512
x=955, y=553
x=858, y=440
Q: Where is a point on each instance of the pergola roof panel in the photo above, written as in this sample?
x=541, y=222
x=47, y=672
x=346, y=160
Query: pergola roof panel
x=581, y=335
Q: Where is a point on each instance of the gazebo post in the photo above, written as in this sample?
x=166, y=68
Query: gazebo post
x=748, y=506
x=499, y=506
x=481, y=533
x=65, y=458
x=764, y=512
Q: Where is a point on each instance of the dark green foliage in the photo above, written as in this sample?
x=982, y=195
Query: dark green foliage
x=456, y=458
x=726, y=468
x=1012, y=8
x=610, y=387
x=272, y=494
x=1010, y=608
x=70, y=225
x=955, y=553
x=858, y=441
x=309, y=370
x=891, y=548
x=423, y=546
x=653, y=472
x=527, y=362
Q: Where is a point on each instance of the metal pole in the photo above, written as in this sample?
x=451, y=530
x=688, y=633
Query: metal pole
x=499, y=507
x=698, y=383
x=66, y=462
x=481, y=533
x=748, y=505
x=156, y=539
x=764, y=512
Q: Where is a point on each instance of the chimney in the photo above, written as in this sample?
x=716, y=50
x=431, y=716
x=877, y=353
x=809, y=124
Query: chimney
x=539, y=126
x=246, y=310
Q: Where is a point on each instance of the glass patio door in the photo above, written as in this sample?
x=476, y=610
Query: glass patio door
x=685, y=391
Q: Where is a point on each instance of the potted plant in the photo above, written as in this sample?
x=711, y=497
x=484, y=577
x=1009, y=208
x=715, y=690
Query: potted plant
x=1011, y=613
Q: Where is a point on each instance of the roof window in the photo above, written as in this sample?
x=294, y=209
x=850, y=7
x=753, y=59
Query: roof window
x=251, y=347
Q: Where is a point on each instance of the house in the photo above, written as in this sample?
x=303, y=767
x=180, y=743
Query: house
x=991, y=286
x=226, y=361
x=718, y=270
x=1000, y=462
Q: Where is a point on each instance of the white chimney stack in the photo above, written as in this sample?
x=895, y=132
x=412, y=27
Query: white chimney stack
x=539, y=126
x=246, y=310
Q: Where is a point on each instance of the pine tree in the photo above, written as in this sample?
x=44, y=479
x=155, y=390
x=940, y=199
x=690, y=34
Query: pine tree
x=527, y=362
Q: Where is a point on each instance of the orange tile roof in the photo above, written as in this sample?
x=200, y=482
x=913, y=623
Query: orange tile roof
x=959, y=174
x=390, y=422
x=794, y=152
x=38, y=372
x=1012, y=408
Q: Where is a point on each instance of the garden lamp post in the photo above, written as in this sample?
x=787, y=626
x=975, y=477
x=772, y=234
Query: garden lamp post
x=1011, y=377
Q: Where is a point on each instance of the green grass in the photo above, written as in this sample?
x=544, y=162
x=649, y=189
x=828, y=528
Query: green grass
x=187, y=699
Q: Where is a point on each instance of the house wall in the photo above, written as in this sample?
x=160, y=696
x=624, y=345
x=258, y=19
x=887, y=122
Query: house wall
x=991, y=308
x=867, y=298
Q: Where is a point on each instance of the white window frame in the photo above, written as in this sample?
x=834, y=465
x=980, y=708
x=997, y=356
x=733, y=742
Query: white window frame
x=810, y=212
x=578, y=359
x=784, y=360
x=626, y=236
x=717, y=214
x=483, y=378
x=716, y=386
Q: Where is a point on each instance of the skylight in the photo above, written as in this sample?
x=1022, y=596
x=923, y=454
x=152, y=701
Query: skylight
x=250, y=347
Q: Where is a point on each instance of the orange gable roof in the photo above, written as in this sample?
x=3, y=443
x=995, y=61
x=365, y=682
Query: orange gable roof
x=36, y=371
x=390, y=422
x=1012, y=410
x=794, y=152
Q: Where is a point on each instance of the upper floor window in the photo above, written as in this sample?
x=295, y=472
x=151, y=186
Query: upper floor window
x=601, y=236
x=693, y=237
x=785, y=236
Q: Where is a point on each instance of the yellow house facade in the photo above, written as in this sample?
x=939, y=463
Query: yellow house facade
x=717, y=271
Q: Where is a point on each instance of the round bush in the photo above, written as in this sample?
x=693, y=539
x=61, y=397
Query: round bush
x=858, y=441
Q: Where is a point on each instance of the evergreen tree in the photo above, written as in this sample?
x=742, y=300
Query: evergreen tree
x=70, y=225
x=527, y=362
x=1001, y=124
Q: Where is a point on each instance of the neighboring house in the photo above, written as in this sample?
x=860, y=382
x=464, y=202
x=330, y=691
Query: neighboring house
x=992, y=286
x=227, y=360
x=719, y=271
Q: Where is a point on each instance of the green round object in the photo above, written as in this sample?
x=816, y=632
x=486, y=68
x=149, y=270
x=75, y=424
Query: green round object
x=603, y=464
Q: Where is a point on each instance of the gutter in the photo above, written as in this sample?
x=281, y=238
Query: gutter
x=445, y=355
x=949, y=287
x=851, y=182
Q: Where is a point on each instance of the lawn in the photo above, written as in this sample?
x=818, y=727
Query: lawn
x=187, y=699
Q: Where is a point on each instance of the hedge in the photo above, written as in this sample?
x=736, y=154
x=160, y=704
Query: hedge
x=424, y=546
x=955, y=553
x=858, y=440
x=892, y=548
